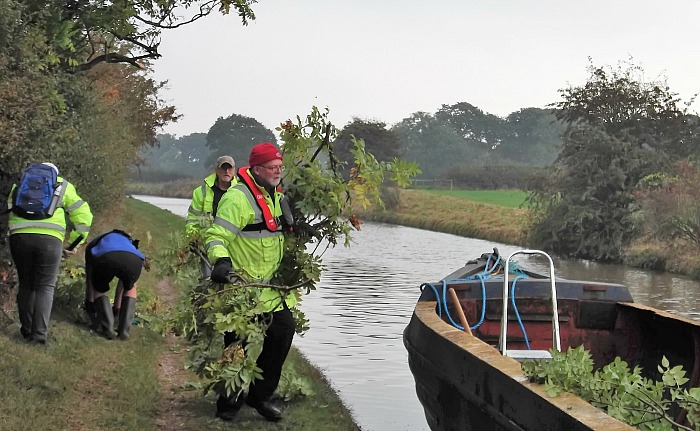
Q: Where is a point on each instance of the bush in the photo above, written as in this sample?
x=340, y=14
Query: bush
x=647, y=258
x=69, y=295
x=491, y=177
x=621, y=392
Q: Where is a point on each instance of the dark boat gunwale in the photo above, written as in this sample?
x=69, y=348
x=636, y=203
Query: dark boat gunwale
x=464, y=382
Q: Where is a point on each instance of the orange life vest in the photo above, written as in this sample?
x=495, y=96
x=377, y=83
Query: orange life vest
x=270, y=222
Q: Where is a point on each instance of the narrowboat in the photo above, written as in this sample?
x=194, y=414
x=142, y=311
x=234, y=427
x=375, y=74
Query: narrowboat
x=471, y=331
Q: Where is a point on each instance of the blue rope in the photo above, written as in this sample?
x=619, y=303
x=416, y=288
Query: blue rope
x=484, y=275
x=515, y=307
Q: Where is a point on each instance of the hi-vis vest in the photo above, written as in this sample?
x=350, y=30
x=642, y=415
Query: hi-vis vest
x=240, y=232
x=77, y=210
x=202, y=204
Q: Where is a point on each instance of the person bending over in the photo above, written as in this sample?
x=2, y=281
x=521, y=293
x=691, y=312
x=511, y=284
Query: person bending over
x=112, y=254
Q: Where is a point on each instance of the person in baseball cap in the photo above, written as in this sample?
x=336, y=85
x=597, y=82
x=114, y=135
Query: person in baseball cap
x=225, y=160
x=205, y=202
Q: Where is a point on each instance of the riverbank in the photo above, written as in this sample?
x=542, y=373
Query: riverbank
x=419, y=209
x=84, y=382
x=491, y=222
x=423, y=210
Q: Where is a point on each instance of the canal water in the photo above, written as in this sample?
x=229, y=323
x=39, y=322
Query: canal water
x=366, y=297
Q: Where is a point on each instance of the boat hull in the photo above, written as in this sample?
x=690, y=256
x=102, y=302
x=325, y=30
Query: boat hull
x=465, y=384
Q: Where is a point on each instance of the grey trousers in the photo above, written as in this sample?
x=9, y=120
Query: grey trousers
x=37, y=258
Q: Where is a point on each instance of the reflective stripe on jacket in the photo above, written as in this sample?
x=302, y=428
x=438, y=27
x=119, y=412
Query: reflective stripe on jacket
x=71, y=205
x=202, y=204
x=256, y=254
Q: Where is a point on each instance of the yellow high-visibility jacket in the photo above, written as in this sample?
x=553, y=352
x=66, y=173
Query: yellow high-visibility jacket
x=71, y=205
x=202, y=204
x=255, y=252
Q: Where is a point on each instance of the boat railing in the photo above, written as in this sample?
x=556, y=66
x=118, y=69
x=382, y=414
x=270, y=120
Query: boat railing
x=522, y=355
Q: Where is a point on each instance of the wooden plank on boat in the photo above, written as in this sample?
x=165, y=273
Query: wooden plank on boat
x=460, y=311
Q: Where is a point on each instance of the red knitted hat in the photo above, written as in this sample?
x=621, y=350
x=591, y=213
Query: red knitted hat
x=262, y=153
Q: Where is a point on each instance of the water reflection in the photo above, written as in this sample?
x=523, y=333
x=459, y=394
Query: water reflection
x=364, y=301
x=666, y=291
x=366, y=297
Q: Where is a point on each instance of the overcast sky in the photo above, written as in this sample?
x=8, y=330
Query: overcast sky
x=387, y=59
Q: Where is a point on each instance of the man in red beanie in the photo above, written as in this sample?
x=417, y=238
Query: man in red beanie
x=247, y=236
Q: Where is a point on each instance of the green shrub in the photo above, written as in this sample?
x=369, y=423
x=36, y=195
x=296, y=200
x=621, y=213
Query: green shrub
x=648, y=258
x=622, y=393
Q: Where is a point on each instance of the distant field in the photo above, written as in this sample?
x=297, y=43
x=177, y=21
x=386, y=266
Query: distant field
x=505, y=198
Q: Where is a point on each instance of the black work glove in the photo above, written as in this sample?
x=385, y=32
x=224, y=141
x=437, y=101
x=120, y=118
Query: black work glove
x=219, y=274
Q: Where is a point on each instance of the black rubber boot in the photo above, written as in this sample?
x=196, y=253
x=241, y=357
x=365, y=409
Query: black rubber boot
x=228, y=407
x=104, y=315
x=126, y=315
x=91, y=313
x=266, y=410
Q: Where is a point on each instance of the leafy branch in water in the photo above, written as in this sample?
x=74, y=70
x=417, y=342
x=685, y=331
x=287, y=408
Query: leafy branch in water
x=622, y=393
x=320, y=198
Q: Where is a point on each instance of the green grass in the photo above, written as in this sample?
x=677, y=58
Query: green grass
x=456, y=215
x=504, y=198
x=78, y=382
x=83, y=382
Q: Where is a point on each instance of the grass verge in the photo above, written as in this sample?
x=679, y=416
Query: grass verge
x=504, y=198
x=455, y=215
x=83, y=382
x=466, y=213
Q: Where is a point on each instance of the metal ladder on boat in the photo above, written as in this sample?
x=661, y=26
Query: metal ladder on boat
x=522, y=355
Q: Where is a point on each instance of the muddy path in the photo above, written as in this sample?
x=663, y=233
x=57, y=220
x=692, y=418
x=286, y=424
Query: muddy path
x=172, y=410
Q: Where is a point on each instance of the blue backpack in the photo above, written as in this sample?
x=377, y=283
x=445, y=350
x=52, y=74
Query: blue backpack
x=38, y=192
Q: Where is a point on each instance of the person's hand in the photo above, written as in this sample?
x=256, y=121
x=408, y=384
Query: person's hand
x=219, y=274
x=68, y=253
x=193, y=246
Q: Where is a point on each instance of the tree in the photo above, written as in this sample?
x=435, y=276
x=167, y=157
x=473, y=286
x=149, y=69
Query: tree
x=619, y=129
x=69, y=91
x=185, y=155
x=432, y=144
x=80, y=34
x=91, y=124
x=621, y=102
x=670, y=205
x=534, y=137
x=462, y=135
x=479, y=128
x=585, y=206
x=379, y=141
x=115, y=111
x=236, y=136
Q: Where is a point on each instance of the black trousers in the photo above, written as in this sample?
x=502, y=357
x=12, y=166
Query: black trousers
x=278, y=341
x=101, y=270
